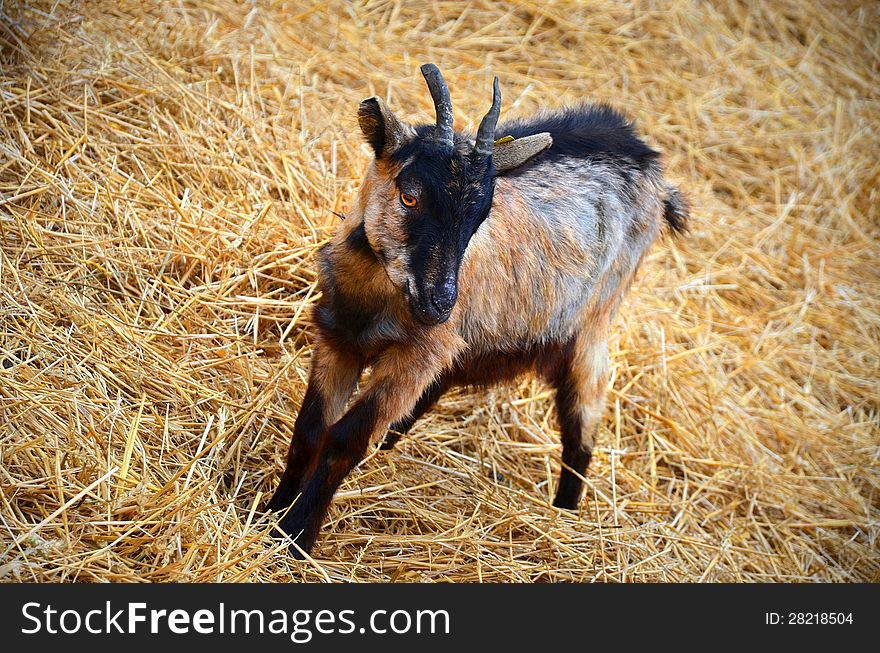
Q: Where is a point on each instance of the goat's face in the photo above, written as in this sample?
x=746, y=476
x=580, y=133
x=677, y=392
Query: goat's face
x=422, y=203
x=427, y=192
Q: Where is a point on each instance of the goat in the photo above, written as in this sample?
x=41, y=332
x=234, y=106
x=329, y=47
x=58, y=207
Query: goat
x=467, y=261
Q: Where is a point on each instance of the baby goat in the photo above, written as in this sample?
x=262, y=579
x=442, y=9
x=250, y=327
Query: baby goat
x=467, y=261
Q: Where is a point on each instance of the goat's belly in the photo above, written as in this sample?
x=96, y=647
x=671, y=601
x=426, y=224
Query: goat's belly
x=491, y=367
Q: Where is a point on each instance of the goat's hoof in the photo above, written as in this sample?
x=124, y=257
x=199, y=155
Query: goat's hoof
x=388, y=443
x=290, y=533
x=566, y=503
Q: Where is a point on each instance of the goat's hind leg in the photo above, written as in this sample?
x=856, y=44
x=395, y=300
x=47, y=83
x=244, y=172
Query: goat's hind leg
x=581, y=385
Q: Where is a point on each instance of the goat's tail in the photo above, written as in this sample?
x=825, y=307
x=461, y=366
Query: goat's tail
x=676, y=211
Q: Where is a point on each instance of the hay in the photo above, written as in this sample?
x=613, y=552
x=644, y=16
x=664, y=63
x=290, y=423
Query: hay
x=166, y=175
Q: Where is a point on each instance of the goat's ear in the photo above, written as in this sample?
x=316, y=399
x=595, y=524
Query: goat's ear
x=383, y=131
x=509, y=153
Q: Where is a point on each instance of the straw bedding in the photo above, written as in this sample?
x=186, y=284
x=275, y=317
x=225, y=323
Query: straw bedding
x=168, y=170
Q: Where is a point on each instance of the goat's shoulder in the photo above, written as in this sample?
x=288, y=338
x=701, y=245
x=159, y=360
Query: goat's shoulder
x=358, y=305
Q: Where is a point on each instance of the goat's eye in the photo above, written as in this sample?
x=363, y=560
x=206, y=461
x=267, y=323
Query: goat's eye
x=407, y=200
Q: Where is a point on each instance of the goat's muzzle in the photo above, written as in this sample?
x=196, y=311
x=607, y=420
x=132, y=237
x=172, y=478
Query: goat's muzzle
x=434, y=304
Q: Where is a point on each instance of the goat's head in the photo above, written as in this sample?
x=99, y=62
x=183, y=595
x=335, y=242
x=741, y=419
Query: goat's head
x=428, y=191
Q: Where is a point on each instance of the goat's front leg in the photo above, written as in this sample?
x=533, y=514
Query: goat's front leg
x=429, y=398
x=332, y=379
x=398, y=379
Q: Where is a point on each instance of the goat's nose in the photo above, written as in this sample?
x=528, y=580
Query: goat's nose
x=443, y=296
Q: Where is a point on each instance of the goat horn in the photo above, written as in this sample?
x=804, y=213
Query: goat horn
x=442, y=102
x=486, y=132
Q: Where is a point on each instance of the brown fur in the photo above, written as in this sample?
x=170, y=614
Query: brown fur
x=538, y=286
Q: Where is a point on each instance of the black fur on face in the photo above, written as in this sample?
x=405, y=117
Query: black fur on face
x=453, y=189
